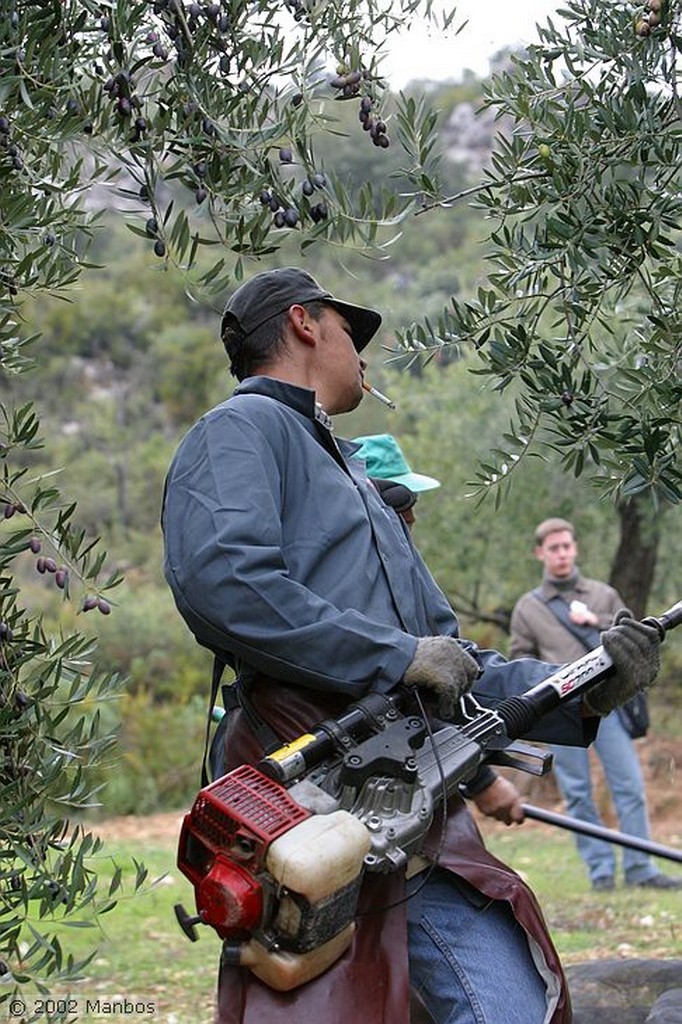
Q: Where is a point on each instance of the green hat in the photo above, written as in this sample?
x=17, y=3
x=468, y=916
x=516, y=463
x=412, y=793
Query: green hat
x=385, y=461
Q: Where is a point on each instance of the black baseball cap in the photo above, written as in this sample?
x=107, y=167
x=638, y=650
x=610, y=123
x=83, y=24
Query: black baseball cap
x=271, y=292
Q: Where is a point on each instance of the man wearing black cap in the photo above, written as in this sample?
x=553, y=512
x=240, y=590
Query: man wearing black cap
x=284, y=561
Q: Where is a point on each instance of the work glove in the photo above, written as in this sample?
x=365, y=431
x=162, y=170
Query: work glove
x=635, y=650
x=445, y=667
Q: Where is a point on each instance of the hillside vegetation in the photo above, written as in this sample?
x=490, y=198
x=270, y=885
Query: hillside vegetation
x=130, y=360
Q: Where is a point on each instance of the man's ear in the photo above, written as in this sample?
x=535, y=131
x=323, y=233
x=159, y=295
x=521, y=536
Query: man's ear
x=537, y=551
x=303, y=324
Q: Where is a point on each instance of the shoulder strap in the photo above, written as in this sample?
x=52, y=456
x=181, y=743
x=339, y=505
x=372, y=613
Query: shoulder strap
x=218, y=669
x=587, y=635
x=267, y=737
x=233, y=696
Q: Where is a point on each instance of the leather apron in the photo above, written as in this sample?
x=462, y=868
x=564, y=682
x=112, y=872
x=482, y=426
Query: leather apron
x=371, y=979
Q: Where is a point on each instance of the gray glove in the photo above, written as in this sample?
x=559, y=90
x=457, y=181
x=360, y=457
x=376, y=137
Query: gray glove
x=635, y=650
x=445, y=667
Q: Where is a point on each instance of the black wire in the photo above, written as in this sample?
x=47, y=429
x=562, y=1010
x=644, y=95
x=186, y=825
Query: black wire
x=427, y=872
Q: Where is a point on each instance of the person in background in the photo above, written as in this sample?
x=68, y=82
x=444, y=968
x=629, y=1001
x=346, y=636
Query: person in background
x=388, y=469
x=400, y=487
x=559, y=621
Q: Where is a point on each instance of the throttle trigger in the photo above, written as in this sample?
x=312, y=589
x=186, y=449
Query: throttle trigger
x=523, y=756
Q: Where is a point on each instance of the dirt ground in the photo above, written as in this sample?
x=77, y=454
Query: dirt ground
x=661, y=761
x=661, y=765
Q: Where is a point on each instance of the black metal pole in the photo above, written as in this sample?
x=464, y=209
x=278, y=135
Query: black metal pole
x=611, y=835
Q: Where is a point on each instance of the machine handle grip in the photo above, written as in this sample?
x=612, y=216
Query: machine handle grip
x=668, y=620
x=521, y=713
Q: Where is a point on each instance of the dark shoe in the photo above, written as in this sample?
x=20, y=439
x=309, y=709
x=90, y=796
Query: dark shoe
x=660, y=881
x=604, y=884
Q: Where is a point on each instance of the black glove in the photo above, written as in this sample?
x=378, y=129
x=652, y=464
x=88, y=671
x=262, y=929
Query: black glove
x=635, y=650
x=395, y=495
x=442, y=665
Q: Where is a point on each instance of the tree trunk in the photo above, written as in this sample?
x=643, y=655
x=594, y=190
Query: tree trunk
x=634, y=563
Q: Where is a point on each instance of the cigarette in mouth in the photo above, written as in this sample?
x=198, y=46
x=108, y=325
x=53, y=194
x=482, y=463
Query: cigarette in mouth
x=378, y=395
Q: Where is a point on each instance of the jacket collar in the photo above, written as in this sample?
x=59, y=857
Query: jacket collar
x=549, y=588
x=300, y=399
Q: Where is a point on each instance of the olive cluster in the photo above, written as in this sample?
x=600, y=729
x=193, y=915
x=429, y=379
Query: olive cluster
x=11, y=507
x=318, y=211
x=7, y=281
x=349, y=86
x=194, y=13
x=9, y=145
x=43, y=564
x=299, y=9
x=182, y=23
x=47, y=565
x=348, y=83
x=190, y=111
x=200, y=171
x=152, y=231
x=121, y=89
x=375, y=126
x=284, y=216
x=56, y=892
x=92, y=601
x=10, y=771
x=650, y=17
x=287, y=216
x=60, y=573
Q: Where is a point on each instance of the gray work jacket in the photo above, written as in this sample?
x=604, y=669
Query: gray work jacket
x=282, y=557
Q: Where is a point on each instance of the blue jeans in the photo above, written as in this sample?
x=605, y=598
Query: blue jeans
x=623, y=772
x=469, y=959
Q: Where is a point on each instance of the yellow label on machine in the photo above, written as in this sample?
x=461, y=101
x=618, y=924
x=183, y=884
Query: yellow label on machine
x=292, y=748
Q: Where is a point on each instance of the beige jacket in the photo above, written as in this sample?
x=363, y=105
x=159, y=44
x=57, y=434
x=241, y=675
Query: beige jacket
x=537, y=633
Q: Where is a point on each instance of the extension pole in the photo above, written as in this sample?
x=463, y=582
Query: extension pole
x=611, y=835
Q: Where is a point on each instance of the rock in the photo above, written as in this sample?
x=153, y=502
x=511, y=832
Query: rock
x=627, y=991
x=667, y=1009
x=610, y=991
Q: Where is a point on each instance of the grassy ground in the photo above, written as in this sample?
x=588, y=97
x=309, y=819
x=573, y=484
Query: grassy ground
x=144, y=958
x=585, y=925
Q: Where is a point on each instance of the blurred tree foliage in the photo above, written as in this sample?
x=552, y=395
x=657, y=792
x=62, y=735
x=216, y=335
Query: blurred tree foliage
x=581, y=307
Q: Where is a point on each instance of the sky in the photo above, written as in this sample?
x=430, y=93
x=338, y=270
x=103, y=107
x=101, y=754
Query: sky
x=492, y=24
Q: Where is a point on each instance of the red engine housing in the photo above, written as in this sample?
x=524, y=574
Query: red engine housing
x=223, y=844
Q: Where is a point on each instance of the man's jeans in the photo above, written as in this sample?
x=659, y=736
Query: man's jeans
x=469, y=959
x=617, y=753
